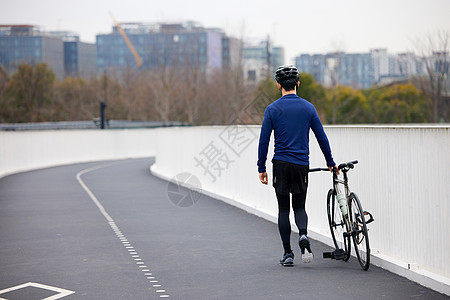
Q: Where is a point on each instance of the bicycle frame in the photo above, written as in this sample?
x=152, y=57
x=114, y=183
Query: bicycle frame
x=336, y=189
x=340, y=186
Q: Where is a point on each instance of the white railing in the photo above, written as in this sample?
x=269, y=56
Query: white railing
x=27, y=150
x=402, y=178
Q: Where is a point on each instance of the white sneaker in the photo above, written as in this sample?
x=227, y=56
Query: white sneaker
x=307, y=257
x=305, y=247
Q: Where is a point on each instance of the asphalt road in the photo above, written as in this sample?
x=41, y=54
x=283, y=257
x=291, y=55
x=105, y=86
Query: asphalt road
x=113, y=232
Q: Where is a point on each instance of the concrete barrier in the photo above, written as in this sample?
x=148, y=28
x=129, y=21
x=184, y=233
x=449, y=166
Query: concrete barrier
x=28, y=150
x=402, y=179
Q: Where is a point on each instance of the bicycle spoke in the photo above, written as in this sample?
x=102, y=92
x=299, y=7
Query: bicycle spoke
x=338, y=226
x=359, y=232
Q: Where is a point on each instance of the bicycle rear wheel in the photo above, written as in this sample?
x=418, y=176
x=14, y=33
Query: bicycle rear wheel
x=359, y=232
x=337, y=225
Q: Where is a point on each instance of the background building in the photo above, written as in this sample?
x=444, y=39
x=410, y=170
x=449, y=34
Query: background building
x=231, y=52
x=60, y=50
x=360, y=70
x=261, y=60
x=380, y=60
x=405, y=65
x=315, y=65
x=355, y=70
x=165, y=45
x=25, y=44
x=79, y=59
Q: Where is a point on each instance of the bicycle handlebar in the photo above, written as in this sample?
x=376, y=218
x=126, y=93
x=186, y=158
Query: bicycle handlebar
x=318, y=169
x=349, y=164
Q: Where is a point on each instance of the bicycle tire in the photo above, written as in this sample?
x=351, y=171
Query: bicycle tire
x=359, y=232
x=337, y=225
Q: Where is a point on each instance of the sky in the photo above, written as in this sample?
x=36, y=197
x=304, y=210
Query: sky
x=314, y=26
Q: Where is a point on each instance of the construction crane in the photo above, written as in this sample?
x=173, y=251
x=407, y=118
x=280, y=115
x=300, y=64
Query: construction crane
x=127, y=40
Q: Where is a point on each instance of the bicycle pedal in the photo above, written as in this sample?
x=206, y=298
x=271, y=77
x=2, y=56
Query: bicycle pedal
x=371, y=219
x=339, y=254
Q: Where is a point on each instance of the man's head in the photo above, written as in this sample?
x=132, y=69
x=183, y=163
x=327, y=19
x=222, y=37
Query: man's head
x=287, y=77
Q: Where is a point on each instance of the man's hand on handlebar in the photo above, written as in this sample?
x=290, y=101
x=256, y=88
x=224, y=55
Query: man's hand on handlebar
x=335, y=167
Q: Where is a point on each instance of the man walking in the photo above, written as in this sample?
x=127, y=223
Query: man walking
x=291, y=117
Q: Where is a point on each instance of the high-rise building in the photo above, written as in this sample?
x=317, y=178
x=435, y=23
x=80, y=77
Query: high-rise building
x=231, y=52
x=26, y=44
x=402, y=66
x=161, y=44
x=440, y=62
x=60, y=50
x=380, y=59
x=363, y=70
x=79, y=59
x=261, y=60
x=315, y=65
x=406, y=64
x=355, y=70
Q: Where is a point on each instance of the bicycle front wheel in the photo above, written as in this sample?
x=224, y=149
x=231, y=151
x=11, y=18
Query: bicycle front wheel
x=337, y=225
x=359, y=232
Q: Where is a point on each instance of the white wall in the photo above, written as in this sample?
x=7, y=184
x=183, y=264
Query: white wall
x=27, y=150
x=402, y=178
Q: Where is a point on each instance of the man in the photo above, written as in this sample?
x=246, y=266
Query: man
x=291, y=117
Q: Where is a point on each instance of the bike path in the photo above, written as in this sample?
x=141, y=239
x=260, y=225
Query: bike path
x=120, y=237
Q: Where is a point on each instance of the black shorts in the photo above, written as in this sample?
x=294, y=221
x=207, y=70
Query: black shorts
x=289, y=177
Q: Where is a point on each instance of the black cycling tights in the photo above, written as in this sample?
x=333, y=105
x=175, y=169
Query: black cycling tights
x=301, y=218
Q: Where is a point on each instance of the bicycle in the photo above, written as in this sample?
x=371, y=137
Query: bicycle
x=347, y=219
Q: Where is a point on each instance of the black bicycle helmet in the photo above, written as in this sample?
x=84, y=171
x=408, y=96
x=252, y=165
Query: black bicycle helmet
x=286, y=72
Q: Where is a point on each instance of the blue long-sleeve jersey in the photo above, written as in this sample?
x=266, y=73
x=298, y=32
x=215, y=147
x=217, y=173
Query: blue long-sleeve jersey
x=291, y=117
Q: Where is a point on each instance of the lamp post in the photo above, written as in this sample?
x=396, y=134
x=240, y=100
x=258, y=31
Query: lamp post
x=103, y=104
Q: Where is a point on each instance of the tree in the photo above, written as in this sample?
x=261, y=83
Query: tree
x=76, y=100
x=131, y=98
x=4, y=101
x=399, y=103
x=30, y=93
x=308, y=90
x=107, y=89
x=434, y=53
x=265, y=93
x=232, y=96
x=4, y=79
x=345, y=105
x=312, y=92
x=163, y=83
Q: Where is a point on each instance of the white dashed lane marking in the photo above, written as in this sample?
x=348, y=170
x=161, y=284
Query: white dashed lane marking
x=125, y=242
